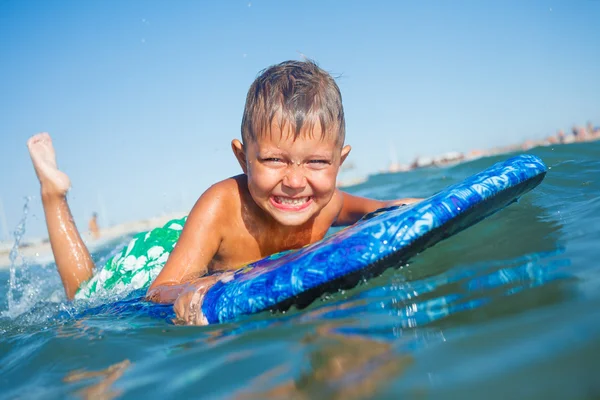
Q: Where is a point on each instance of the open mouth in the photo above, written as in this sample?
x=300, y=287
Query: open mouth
x=291, y=203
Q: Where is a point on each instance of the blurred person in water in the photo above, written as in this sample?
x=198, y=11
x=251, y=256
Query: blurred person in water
x=93, y=226
x=290, y=152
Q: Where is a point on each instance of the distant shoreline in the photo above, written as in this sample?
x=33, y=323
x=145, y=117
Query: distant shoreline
x=578, y=135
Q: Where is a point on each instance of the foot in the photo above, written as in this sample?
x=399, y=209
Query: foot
x=52, y=180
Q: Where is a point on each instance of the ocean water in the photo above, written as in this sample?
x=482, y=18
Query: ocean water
x=509, y=308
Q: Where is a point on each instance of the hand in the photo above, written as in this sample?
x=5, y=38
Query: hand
x=188, y=306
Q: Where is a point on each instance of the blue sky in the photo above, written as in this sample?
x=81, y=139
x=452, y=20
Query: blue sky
x=142, y=98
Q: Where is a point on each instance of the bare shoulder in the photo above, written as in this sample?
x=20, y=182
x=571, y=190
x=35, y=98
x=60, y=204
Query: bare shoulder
x=219, y=201
x=227, y=189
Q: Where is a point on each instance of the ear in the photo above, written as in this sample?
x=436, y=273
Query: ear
x=240, y=154
x=345, y=151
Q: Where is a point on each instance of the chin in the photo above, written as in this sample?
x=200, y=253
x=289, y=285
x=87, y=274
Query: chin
x=289, y=219
x=292, y=221
x=293, y=218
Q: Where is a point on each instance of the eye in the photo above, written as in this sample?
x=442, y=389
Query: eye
x=272, y=160
x=317, y=164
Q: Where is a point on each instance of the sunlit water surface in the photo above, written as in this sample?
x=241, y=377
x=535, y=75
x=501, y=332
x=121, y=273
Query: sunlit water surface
x=509, y=308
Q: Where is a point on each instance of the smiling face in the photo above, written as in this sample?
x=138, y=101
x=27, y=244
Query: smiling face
x=291, y=179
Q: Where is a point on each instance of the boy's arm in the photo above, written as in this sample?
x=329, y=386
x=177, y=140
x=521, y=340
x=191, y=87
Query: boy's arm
x=355, y=207
x=196, y=247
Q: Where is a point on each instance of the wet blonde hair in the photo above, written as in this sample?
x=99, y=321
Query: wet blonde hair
x=298, y=93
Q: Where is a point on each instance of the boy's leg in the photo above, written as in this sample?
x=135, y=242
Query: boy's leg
x=72, y=258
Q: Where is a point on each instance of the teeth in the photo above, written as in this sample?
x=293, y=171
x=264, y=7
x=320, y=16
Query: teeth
x=287, y=200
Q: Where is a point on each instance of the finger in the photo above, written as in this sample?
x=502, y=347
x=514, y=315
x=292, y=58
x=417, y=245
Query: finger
x=178, y=310
x=194, y=306
x=199, y=318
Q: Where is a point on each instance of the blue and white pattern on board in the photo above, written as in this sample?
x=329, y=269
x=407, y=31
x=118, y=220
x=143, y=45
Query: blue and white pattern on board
x=277, y=279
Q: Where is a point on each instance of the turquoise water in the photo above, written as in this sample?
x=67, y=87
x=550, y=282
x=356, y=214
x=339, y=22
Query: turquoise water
x=509, y=308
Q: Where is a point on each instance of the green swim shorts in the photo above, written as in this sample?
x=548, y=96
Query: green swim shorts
x=137, y=265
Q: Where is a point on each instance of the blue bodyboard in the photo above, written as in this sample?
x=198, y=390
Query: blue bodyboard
x=380, y=241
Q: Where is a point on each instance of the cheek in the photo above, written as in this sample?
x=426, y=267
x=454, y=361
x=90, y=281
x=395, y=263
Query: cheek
x=323, y=183
x=262, y=180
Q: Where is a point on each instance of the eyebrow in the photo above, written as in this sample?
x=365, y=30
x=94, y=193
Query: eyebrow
x=279, y=153
x=262, y=152
x=321, y=155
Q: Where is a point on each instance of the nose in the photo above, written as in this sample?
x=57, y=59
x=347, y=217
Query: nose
x=294, y=177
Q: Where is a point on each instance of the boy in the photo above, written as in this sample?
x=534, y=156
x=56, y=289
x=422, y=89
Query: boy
x=293, y=134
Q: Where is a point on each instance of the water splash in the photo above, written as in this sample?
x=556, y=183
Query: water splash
x=33, y=293
x=16, y=258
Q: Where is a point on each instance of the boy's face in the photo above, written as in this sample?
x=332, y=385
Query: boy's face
x=291, y=180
